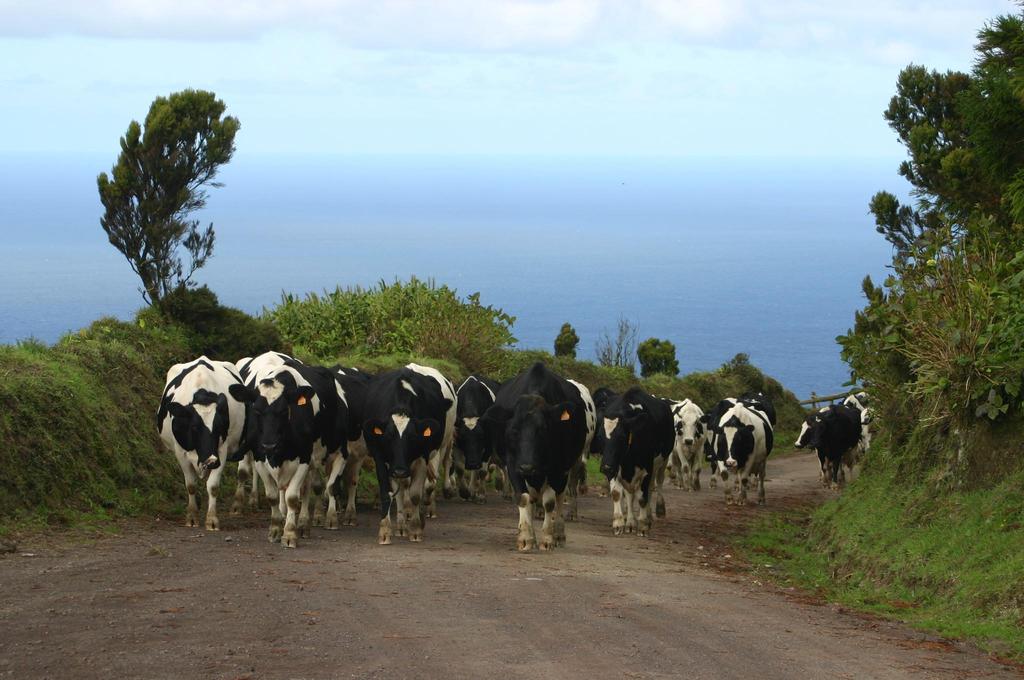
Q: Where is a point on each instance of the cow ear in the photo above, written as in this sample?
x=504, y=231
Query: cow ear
x=302, y=396
x=178, y=410
x=242, y=393
x=374, y=429
x=563, y=413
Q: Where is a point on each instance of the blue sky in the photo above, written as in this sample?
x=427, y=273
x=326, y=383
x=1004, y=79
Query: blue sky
x=566, y=77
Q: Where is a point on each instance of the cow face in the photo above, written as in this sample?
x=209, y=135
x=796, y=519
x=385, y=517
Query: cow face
x=471, y=439
x=810, y=431
x=735, y=443
x=401, y=439
x=618, y=438
x=200, y=428
x=535, y=430
x=689, y=426
x=282, y=415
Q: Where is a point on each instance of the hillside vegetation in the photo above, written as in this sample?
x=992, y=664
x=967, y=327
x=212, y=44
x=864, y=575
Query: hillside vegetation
x=933, y=531
x=77, y=432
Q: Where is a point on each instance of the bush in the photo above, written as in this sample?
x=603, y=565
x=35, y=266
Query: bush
x=400, y=318
x=219, y=332
x=657, y=356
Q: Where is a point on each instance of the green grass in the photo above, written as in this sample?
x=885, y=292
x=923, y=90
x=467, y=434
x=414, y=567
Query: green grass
x=948, y=561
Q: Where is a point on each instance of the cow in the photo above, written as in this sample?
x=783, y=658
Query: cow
x=248, y=467
x=355, y=383
x=689, y=443
x=409, y=426
x=639, y=434
x=541, y=425
x=859, y=401
x=300, y=416
x=803, y=440
x=710, y=421
x=201, y=420
x=602, y=397
x=743, y=442
x=834, y=432
x=761, y=402
x=471, y=452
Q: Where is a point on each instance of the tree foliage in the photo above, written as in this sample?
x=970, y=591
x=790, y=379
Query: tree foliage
x=566, y=342
x=159, y=180
x=941, y=342
x=618, y=351
x=657, y=356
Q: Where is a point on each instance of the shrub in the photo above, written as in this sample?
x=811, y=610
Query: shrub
x=217, y=331
x=416, y=317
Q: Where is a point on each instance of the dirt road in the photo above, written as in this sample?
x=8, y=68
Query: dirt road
x=163, y=601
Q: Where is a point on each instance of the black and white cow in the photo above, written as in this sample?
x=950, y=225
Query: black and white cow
x=202, y=421
x=472, y=451
x=710, y=420
x=355, y=383
x=300, y=416
x=860, y=401
x=541, y=425
x=248, y=467
x=689, y=443
x=834, y=432
x=409, y=426
x=743, y=443
x=639, y=436
x=761, y=402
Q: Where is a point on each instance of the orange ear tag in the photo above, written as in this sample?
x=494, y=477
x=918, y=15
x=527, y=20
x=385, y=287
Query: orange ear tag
x=565, y=416
x=426, y=432
x=301, y=401
x=377, y=431
x=629, y=440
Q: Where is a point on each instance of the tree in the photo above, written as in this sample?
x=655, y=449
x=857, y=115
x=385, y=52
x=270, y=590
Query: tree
x=159, y=180
x=618, y=352
x=962, y=133
x=566, y=342
x=657, y=356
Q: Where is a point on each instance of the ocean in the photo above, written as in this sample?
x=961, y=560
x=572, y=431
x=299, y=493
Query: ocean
x=763, y=256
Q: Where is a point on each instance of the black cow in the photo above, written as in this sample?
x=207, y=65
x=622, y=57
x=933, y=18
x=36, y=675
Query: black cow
x=409, y=427
x=202, y=422
x=639, y=436
x=743, y=443
x=300, y=419
x=541, y=425
x=354, y=383
x=471, y=451
x=834, y=433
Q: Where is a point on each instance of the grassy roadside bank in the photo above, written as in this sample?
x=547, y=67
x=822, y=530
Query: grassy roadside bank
x=949, y=563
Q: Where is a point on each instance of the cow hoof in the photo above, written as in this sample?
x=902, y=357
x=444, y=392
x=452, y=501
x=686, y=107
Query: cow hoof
x=642, y=533
x=618, y=530
x=348, y=521
x=416, y=536
x=631, y=527
x=274, y=534
x=236, y=508
x=318, y=520
x=524, y=544
x=290, y=541
x=659, y=511
x=331, y=522
x=191, y=521
x=547, y=543
x=213, y=524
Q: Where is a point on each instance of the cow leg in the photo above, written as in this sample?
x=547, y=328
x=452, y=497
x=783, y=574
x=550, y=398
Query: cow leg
x=461, y=476
x=478, y=485
x=547, y=531
x=643, y=495
x=577, y=479
x=417, y=489
x=192, y=514
x=629, y=499
x=293, y=503
x=270, y=490
x=760, y=484
x=712, y=477
x=212, y=490
x=727, y=486
x=386, y=500
x=254, y=489
x=245, y=473
x=618, y=523
x=447, y=475
x=744, y=478
x=659, y=481
x=526, y=539
x=436, y=469
x=401, y=491
x=694, y=465
x=350, y=482
x=337, y=467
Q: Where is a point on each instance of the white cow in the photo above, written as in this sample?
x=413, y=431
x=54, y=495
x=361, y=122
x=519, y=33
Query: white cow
x=689, y=445
x=200, y=419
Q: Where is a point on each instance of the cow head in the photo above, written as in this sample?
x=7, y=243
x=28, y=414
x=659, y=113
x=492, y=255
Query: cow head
x=402, y=439
x=620, y=429
x=282, y=414
x=471, y=438
x=811, y=430
x=735, y=443
x=689, y=425
x=533, y=430
x=200, y=428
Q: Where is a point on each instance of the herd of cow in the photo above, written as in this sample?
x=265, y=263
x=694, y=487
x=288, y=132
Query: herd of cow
x=293, y=428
